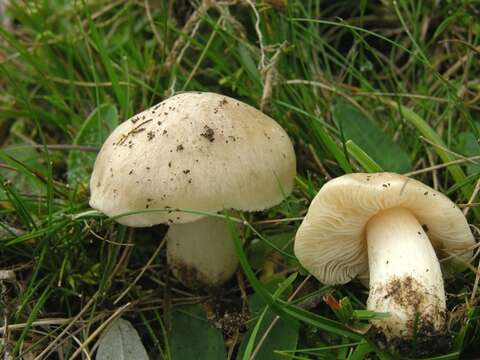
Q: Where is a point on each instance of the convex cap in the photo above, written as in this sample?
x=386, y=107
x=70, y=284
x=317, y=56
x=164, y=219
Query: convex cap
x=331, y=243
x=193, y=151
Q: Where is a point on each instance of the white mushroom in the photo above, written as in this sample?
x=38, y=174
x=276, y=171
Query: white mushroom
x=386, y=225
x=194, y=151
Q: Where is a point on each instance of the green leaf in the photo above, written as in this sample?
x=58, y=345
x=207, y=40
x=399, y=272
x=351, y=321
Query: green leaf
x=121, y=342
x=361, y=351
x=282, y=336
x=24, y=162
x=259, y=250
x=369, y=137
x=468, y=145
x=193, y=338
x=94, y=131
x=426, y=130
x=20, y=159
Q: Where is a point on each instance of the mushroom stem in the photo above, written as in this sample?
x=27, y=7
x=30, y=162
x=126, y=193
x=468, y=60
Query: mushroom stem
x=200, y=253
x=405, y=277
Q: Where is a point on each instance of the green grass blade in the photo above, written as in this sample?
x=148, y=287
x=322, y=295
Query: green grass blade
x=362, y=157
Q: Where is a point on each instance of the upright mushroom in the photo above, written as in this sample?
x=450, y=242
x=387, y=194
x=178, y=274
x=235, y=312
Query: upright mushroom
x=195, y=151
x=389, y=226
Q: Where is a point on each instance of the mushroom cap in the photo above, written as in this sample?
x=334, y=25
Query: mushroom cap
x=195, y=151
x=331, y=241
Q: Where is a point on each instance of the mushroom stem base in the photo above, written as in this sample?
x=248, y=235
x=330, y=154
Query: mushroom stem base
x=405, y=278
x=201, y=254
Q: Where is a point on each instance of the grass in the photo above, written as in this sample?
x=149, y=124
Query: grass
x=408, y=69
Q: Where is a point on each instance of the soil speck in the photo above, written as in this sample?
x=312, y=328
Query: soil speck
x=150, y=135
x=209, y=134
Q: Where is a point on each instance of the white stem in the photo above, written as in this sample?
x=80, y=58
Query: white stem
x=201, y=253
x=405, y=277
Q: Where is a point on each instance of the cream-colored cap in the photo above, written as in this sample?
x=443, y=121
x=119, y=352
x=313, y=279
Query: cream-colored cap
x=197, y=151
x=331, y=243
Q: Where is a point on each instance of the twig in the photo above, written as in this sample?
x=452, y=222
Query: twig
x=468, y=205
x=152, y=24
x=434, y=172
x=159, y=247
x=243, y=292
x=312, y=83
x=46, y=351
x=472, y=198
x=443, y=148
x=458, y=256
x=191, y=23
x=163, y=284
x=134, y=131
x=475, y=284
x=277, y=221
x=98, y=330
x=90, y=230
x=319, y=163
x=42, y=322
x=440, y=166
x=233, y=344
x=270, y=73
x=204, y=52
x=9, y=230
x=85, y=83
x=123, y=257
x=85, y=148
x=77, y=340
x=261, y=65
x=274, y=321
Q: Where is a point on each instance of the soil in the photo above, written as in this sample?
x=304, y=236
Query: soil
x=209, y=134
x=190, y=277
x=426, y=343
x=422, y=337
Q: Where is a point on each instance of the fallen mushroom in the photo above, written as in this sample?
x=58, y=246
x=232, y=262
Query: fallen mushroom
x=387, y=225
x=194, y=151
